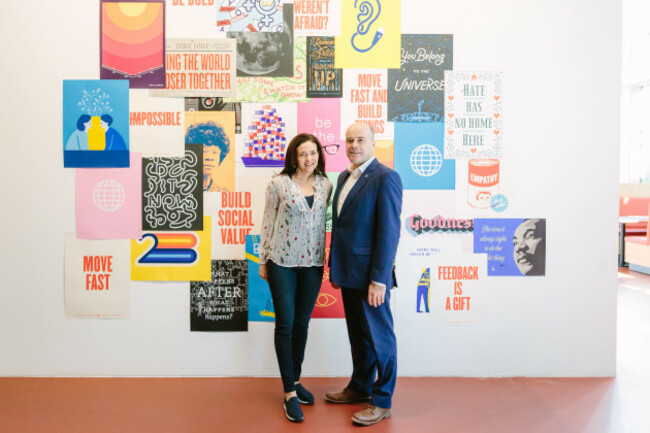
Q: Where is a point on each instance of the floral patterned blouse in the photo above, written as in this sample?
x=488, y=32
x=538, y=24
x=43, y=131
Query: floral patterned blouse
x=293, y=234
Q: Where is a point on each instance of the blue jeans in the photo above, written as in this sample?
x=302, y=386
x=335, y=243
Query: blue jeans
x=294, y=292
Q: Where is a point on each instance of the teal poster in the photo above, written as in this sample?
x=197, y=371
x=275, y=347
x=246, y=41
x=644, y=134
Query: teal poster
x=260, y=304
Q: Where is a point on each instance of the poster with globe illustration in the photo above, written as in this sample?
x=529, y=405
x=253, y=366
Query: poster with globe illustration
x=95, y=123
x=250, y=16
x=109, y=201
x=419, y=157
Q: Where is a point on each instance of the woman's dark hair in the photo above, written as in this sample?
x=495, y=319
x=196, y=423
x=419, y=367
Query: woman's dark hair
x=291, y=155
x=81, y=121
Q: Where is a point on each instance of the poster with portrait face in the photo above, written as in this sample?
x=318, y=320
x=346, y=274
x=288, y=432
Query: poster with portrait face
x=109, y=202
x=251, y=16
x=514, y=246
x=323, y=79
x=416, y=91
x=156, y=124
x=95, y=123
x=215, y=132
x=370, y=34
x=132, y=42
x=419, y=159
x=260, y=302
x=365, y=95
x=173, y=255
x=172, y=198
x=215, y=104
x=96, y=279
x=221, y=304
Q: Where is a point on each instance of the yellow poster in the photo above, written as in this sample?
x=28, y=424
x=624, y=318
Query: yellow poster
x=215, y=130
x=173, y=256
x=370, y=35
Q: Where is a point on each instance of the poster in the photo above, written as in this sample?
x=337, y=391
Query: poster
x=474, y=121
x=277, y=89
x=221, y=304
x=456, y=288
x=483, y=187
x=329, y=304
x=323, y=79
x=268, y=129
x=370, y=34
x=109, y=202
x=514, y=246
x=266, y=54
x=156, y=124
x=95, y=123
x=132, y=42
x=416, y=91
x=250, y=16
x=321, y=118
x=215, y=104
x=96, y=279
x=260, y=303
x=236, y=215
x=419, y=157
x=172, y=256
x=317, y=17
x=172, y=197
x=199, y=67
x=384, y=152
x=215, y=131
x=365, y=96
x=190, y=18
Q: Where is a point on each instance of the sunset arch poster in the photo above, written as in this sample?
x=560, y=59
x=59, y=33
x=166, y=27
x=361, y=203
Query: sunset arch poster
x=133, y=42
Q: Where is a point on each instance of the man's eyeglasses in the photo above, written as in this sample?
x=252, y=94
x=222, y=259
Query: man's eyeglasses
x=331, y=149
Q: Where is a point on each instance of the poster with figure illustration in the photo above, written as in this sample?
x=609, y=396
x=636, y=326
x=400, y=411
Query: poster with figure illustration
x=109, y=201
x=317, y=17
x=210, y=103
x=96, y=278
x=221, y=304
x=156, y=124
x=419, y=157
x=370, y=34
x=260, y=302
x=132, y=42
x=215, y=132
x=172, y=197
x=199, y=67
x=95, y=123
x=173, y=255
x=365, y=95
x=416, y=91
x=248, y=16
x=473, y=120
x=514, y=246
x=323, y=79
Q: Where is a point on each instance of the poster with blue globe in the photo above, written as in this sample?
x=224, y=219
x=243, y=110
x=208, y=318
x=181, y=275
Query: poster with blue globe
x=95, y=123
x=419, y=157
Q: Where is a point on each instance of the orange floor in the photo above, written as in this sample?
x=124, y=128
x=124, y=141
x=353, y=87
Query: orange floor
x=197, y=405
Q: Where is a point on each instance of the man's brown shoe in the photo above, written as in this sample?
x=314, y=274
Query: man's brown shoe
x=370, y=415
x=346, y=396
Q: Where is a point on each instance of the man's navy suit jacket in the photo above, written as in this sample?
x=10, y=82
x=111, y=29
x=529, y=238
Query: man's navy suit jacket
x=366, y=233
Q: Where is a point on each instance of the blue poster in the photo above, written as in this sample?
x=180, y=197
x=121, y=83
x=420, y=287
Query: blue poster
x=419, y=158
x=514, y=246
x=260, y=304
x=95, y=123
x=416, y=91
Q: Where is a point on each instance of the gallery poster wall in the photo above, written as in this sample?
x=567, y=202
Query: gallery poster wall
x=132, y=39
x=97, y=284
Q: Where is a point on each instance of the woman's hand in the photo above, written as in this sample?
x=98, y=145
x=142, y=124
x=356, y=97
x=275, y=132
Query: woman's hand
x=263, y=271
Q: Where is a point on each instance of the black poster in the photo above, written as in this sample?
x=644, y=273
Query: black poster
x=172, y=191
x=323, y=79
x=416, y=92
x=222, y=303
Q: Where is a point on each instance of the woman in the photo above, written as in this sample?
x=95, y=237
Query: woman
x=292, y=255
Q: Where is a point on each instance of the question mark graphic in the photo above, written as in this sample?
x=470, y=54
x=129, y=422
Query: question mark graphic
x=366, y=18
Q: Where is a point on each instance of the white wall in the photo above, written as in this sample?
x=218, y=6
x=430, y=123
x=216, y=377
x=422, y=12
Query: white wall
x=561, y=64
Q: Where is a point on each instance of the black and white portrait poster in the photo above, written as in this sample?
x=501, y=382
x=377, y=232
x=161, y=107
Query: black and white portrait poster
x=172, y=191
x=222, y=303
x=323, y=79
x=416, y=92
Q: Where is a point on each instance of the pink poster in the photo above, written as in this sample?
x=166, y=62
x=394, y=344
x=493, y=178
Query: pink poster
x=109, y=201
x=321, y=117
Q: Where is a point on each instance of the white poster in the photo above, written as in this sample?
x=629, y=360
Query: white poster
x=157, y=125
x=191, y=19
x=317, y=17
x=97, y=278
x=365, y=98
x=483, y=187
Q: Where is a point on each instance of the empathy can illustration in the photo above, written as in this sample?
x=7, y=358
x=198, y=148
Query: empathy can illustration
x=482, y=182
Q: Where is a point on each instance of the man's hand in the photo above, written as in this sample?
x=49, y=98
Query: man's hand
x=263, y=270
x=376, y=294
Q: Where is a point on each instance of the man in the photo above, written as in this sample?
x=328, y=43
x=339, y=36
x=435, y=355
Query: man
x=365, y=233
x=529, y=250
